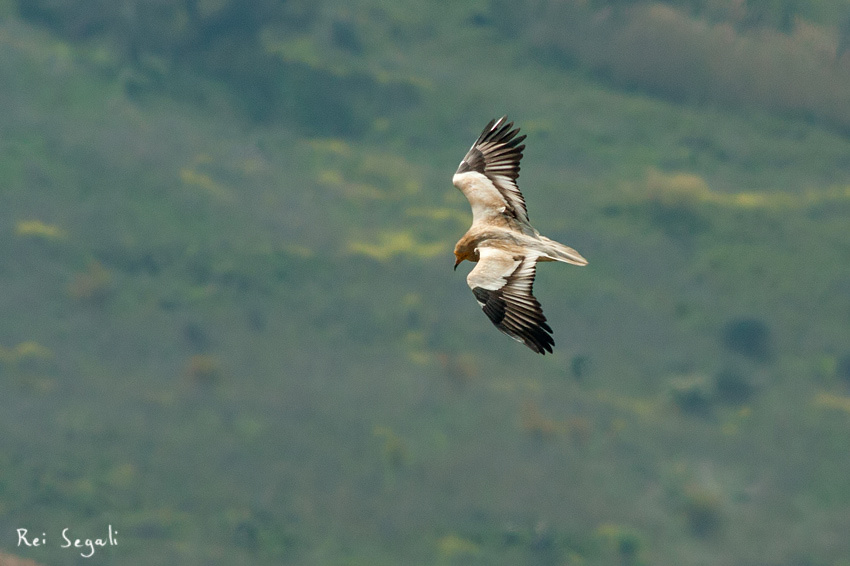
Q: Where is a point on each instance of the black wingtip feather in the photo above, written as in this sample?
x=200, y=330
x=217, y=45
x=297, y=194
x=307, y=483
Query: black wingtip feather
x=504, y=153
x=523, y=321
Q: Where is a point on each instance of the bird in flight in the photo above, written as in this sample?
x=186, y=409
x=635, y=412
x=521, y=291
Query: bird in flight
x=501, y=239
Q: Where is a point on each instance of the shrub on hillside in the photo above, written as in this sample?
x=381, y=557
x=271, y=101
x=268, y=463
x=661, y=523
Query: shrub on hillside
x=842, y=368
x=703, y=511
x=732, y=387
x=692, y=395
x=749, y=337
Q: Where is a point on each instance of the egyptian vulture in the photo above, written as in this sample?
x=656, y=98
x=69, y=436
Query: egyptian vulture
x=501, y=240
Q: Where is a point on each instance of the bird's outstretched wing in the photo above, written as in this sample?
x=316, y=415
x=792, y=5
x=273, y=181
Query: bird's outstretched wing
x=488, y=173
x=502, y=284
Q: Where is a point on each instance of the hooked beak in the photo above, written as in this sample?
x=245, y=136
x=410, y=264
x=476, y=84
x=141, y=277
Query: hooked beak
x=457, y=262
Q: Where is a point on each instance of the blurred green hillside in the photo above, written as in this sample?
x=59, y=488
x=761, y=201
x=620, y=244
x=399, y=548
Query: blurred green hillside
x=230, y=328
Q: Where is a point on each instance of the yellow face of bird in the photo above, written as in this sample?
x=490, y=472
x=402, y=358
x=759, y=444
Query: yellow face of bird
x=463, y=252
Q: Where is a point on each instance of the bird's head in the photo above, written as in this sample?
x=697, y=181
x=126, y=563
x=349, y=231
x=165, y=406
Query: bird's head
x=462, y=253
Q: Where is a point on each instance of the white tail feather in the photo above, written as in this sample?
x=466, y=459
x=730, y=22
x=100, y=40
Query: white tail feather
x=556, y=251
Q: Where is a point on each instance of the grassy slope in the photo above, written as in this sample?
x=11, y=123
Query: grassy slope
x=375, y=417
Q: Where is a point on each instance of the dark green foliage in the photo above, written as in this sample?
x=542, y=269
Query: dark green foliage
x=749, y=337
x=262, y=534
x=703, y=511
x=727, y=52
x=732, y=387
x=225, y=40
x=629, y=547
x=680, y=221
x=345, y=35
x=73, y=19
x=183, y=30
x=778, y=14
x=579, y=366
x=843, y=368
x=328, y=103
x=692, y=396
x=196, y=337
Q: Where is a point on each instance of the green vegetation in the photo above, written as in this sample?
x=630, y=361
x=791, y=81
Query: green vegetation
x=231, y=330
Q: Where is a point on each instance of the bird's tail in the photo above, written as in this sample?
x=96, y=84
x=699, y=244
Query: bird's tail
x=556, y=251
